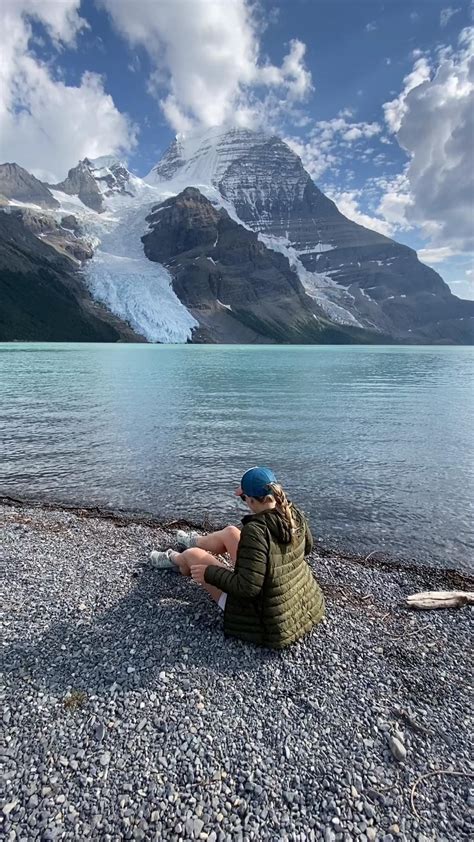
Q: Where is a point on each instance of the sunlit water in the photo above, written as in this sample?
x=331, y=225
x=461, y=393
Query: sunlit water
x=375, y=443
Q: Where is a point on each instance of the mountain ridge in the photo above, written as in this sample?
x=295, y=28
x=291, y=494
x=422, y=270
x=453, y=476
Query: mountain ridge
x=357, y=279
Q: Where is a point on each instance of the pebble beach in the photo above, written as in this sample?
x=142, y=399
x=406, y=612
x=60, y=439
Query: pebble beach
x=128, y=716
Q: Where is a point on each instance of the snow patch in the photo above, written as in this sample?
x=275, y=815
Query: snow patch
x=318, y=248
x=318, y=285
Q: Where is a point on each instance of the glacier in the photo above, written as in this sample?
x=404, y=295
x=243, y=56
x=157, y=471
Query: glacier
x=121, y=276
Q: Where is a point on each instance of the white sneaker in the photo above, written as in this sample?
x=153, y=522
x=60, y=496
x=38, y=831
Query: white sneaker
x=185, y=540
x=162, y=560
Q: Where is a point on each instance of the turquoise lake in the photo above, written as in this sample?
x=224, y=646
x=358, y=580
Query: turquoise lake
x=374, y=443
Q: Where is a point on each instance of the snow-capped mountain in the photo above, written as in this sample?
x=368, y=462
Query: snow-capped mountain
x=357, y=276
x=288, y=267
x=94, y=180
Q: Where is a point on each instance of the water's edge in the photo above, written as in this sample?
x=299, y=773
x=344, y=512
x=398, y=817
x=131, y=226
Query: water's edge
x=453, y=578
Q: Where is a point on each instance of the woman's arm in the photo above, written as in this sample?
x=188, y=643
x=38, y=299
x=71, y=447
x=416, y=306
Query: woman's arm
x=246, y=580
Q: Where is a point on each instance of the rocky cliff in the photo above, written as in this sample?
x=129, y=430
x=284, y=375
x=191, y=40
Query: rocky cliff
x=238, y=289
x=18, y=184
x=93, y=180
x=42, y=295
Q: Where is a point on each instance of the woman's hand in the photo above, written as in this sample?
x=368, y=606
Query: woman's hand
x=197, y=572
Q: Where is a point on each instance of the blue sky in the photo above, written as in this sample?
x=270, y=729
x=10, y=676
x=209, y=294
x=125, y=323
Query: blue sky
x=123, y=75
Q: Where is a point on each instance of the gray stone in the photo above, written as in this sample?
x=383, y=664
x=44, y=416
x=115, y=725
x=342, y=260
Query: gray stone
x=397, y=748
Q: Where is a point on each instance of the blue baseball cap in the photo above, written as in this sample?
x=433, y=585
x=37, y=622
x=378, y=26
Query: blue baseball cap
x=255, y=482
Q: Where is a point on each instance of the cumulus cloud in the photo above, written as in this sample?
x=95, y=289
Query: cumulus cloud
x=433, y=121
x=207, y=65
x=371, y=26
x=396, y=109
x=45, y=125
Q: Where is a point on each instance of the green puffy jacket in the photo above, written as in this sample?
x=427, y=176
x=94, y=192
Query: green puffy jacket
x=273, y=598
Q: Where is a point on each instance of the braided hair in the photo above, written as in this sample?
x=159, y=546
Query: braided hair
x=282, y=504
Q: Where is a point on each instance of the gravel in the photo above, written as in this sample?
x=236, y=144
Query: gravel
x=128, y=715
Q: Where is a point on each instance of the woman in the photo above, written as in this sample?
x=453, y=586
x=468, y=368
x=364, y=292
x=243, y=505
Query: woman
x=269, y=596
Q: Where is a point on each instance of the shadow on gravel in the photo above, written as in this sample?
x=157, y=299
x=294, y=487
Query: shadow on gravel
x=157, y=627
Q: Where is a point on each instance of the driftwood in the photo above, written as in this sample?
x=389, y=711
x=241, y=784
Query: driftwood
x=440, y=599
x=431, y=775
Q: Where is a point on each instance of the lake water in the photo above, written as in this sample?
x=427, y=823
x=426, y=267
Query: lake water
x=375, y=443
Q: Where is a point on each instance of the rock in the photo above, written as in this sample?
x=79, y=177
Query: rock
x=99, y=731
x=369, y=810
x=397, y=748
x=198, y=826
x=18, y=184
x=105, y=758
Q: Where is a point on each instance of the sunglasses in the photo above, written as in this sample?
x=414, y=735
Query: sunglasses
x=243, y=497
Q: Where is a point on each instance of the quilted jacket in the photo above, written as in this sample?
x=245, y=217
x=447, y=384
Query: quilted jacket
x=273, y=597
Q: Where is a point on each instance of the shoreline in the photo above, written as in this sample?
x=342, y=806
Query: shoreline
x=128, y=715
x=378, y=560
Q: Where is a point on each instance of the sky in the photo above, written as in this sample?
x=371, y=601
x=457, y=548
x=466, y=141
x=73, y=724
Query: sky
x=377, y=97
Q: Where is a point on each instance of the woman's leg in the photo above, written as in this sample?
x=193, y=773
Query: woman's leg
x=224, y=541
x=195, y=555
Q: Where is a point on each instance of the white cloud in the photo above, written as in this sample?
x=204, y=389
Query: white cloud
x=327, y=141
x=207, y=67
x=316, y=159
x=436, y=255
x=396, y=109
x=464, y=287
x=433, y=121
x=371, y=26
x=446, y=15
x=46, y=125
x=348, y=203
x=394, y=202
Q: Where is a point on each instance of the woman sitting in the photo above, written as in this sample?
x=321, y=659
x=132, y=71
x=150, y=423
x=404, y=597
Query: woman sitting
x=269, y=595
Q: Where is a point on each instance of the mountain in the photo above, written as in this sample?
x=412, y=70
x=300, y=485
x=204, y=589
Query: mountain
x=237, y=289
x=93, y=180
x=18, y=184
x=356, y=275
x=228, y=239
